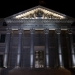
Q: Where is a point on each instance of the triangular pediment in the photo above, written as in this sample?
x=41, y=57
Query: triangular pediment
x=38, y=12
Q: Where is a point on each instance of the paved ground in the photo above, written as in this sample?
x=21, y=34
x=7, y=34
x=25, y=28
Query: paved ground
x=56, y=71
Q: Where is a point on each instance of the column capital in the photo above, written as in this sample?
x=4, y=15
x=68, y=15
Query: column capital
x=20, y=31
x=46, y=31
x=58, y=31
x=8, y=30
x=70, y=30
x=32, y=31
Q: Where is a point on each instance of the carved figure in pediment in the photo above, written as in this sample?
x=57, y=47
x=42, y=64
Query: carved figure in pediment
x=39, y=13
x=31, y=15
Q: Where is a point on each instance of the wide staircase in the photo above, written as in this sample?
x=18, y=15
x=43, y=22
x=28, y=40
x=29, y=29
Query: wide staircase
x=37, y=71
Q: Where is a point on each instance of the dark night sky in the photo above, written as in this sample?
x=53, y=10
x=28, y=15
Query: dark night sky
x=8, y=8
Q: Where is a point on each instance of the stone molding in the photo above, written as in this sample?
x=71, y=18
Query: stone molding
x=46, y=31
x=58, y=31
x=70, y=30
x=34, y=21
x=32, y=31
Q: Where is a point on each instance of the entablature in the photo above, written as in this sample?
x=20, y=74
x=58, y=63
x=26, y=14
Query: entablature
x=37, y=24
x=44, y=21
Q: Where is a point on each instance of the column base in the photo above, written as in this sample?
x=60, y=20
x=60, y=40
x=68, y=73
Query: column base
x=73, y=66
x=61, y=66
x=47, y=66
x=5, y=67
x=17, y=66
x=31, y=66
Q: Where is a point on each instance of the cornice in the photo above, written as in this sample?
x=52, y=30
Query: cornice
x=41, y=21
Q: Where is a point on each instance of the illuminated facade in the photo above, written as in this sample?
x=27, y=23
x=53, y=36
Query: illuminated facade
x=37, y=38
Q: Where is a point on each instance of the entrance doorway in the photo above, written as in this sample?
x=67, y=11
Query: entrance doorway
x=1, y=60
x=39, y=59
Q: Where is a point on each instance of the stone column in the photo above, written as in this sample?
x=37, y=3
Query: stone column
x=58, y=31
x=7, y=45
x=19, y=48
x=72, y=47
x=46, y=31
x=32, y=48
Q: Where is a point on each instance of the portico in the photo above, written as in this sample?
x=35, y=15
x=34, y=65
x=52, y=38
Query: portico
x=38, y=23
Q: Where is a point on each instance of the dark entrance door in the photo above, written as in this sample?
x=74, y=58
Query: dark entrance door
x=1, y=60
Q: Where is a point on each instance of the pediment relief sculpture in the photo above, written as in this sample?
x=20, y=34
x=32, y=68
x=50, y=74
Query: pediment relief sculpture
x=39, y=13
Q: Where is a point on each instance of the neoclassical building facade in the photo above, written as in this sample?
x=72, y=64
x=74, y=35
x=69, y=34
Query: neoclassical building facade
x=37, y=38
